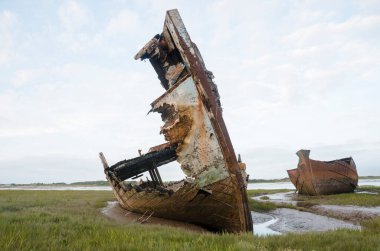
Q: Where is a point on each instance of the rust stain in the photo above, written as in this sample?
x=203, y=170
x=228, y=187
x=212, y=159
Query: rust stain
x=313, y=177
x=214, y=193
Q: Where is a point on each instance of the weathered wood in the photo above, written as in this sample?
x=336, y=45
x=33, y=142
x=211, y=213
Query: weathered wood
x=129, y=168
x=214, y=194
x=103, y=160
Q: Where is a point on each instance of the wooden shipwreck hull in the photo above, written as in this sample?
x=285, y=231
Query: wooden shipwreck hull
x=214, y=193
x=312, y=177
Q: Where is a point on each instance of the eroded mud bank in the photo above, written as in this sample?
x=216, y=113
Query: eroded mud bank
x=115, y=212
x=294, y=221
x=279, y=221
x=345, y=212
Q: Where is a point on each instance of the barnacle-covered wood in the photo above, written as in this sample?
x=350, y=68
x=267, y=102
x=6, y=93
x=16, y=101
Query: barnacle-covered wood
x=313, y=177
x=213, y=194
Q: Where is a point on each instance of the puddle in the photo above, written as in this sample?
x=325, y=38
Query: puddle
x=280, y=198
x=367, y=192
x=262, y=223
x=354, y=213
x=294, y=221
x=285, y=220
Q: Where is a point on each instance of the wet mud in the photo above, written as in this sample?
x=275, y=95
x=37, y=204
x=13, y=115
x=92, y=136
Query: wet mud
x=115, y=212
x=346, y=212
x=350, y=213
x=285, y=220
x=318, y=217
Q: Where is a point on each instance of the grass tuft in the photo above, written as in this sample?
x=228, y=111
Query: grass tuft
x=71, y=220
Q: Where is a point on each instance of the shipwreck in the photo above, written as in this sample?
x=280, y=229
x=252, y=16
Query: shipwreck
x=213, y=194
x=313, y=177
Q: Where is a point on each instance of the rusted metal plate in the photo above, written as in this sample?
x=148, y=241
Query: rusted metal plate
x=214, y=193
x=313, y=177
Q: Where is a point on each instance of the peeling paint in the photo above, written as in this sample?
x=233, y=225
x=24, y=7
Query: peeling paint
x=214, y=192
x=199, y=152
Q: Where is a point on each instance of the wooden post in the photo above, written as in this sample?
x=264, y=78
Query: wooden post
x=152, y=176
x=103, y=159
x=158, y=175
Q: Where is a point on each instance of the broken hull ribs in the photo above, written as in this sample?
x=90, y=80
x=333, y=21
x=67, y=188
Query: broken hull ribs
x=312, y=177
x=214, y=193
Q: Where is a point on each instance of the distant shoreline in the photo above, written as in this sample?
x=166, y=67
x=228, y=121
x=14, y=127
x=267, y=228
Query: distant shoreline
x=105, y=183
x=288, y=180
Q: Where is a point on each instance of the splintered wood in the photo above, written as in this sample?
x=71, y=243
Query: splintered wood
x=214, y=193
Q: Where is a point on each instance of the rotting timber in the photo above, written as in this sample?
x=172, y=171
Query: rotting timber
x=313, y=177
x=213, y=194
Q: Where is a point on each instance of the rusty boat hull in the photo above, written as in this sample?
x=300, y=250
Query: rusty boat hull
x=213, y=194
x=313, y=177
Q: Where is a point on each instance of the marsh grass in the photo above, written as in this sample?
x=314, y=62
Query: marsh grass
x=304, y=201
x=264, y=197
x=258, y=206
x=71, y=220
x=265, y=206
x=356, y=199
x=258, y=192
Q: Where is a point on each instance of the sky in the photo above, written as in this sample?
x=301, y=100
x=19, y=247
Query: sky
x=291, y=75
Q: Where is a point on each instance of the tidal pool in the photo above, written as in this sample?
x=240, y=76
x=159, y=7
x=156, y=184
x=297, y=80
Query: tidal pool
x=285, y=220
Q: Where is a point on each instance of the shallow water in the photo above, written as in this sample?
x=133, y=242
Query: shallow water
x=285, y=220
x=289, y=185
x=261, y=223
x=279, y=198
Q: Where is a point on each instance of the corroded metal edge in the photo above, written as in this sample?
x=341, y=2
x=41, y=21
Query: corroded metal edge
x=313, y=177
x=197, y=69
x=193, y=201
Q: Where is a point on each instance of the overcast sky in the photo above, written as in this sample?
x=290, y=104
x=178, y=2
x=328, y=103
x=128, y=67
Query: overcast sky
x=291, y=75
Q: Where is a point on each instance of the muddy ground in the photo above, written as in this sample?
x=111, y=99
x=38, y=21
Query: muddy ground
x=281, y=220
x=286, y=220
x=115, y=212
x=349, y=213
x=311, y=219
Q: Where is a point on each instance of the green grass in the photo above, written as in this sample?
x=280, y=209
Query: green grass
x=258, y=206
x=264, y=197
x=356, y=199
x=265, y=206
x=71, y=220
x=258, y=192
x=374, y=189
x=268, y=181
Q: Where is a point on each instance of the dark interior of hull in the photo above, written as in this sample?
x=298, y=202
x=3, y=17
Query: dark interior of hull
x=346, y=160
x=134, y=168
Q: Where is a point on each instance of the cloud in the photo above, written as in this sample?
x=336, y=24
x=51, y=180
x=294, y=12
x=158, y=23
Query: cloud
x=47, y=169
x=278, y=159
x=72, y=102
x=125, y=21
x=75, y=19
x=8, y=23
x=290, y=75
x=26, y=76
x=326, y=32
x=73, y=15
